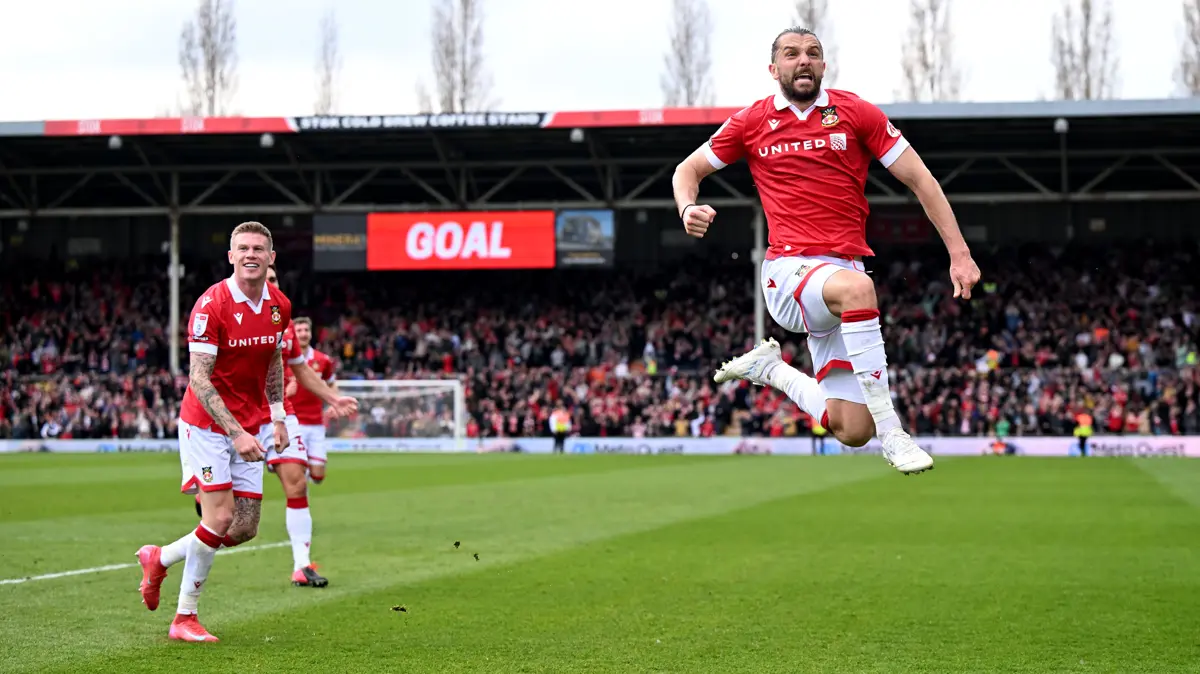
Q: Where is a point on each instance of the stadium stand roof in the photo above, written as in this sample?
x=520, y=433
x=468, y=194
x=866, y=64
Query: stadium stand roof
x=982, y=153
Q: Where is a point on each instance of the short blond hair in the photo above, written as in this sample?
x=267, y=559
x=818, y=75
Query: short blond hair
x=303, y=320
x=252, y=228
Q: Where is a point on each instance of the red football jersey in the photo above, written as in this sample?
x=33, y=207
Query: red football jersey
x=244, y=336
x=292, y=355
x=308, y=406
x=810, y=168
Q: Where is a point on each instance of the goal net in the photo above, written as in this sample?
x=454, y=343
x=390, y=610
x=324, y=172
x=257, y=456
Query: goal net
x=402, y=415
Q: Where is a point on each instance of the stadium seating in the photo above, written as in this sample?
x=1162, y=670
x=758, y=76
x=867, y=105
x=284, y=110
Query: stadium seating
x=1049, y=335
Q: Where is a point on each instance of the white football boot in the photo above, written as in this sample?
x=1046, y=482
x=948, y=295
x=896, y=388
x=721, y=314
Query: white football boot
x=752, y=366
x=904, y=454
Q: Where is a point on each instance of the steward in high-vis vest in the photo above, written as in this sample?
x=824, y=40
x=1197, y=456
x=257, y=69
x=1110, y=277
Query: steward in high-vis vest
x=560, y=426
x=1083, y=431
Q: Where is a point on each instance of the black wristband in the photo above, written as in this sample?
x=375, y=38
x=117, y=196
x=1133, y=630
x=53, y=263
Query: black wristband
x=683, y=213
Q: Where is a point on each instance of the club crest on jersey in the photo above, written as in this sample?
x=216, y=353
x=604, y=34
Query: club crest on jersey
x=276, y=317
x=829, y=116
x=206, y=473
x=199, y=325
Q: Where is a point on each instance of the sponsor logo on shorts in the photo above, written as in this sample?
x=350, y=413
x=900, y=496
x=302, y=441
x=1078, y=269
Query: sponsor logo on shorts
x=206, y=474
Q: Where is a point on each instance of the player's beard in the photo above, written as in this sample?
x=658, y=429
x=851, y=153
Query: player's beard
x=802, y=98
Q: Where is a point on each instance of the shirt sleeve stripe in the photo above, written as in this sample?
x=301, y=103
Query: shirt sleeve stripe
x=201, y=347
x=893, y=154
x=296, y=361
x=713, y=158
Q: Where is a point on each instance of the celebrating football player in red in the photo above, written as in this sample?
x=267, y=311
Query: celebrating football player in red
x=292, y=464
x=232, y=415
x=808, y=150
x=308, y=406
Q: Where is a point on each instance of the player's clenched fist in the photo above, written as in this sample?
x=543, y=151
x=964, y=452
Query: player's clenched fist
x=697, y=218
x=249, y=448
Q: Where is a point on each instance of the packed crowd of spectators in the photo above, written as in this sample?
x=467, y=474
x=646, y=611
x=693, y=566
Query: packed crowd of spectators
x=1050, y=334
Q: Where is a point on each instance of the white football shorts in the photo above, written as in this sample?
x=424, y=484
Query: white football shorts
x=210, y=463
x=313, y=439
x=295, y=450
x=792, y=288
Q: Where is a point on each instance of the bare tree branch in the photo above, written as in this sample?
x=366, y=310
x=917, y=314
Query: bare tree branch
x=329, y=66
x=461, y=82
x=814, y=15
x=1188, y=74
x=688, y=78
x=1083, y=55
x=927, y=59
x=208, y=58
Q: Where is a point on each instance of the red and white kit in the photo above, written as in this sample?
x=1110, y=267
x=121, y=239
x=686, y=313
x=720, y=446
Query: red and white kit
x=310, y=408
x=294, y=453
x=245, y=335
x=810, y=168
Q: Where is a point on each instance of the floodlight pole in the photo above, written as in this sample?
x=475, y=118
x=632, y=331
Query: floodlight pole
x=173, y=274
x=1062, y=127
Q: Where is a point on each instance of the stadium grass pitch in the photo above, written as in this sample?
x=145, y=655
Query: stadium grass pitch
x=626, y=563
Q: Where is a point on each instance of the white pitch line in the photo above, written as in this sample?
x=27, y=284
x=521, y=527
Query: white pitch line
x=117, y=567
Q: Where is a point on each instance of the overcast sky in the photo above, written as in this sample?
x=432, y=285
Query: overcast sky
x=70, y=59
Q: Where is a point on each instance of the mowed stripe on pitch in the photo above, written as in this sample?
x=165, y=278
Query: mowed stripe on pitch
x=117, y=567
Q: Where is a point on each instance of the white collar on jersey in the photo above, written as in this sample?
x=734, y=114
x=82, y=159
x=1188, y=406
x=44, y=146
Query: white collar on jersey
x=308, y=353
x=782, y=103
x=239, y=296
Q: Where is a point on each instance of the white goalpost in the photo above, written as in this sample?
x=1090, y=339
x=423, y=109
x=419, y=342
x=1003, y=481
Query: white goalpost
x=402, y=415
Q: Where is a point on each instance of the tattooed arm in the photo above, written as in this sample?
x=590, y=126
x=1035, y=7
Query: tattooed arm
x=275, y=380
x=275, y=399
x=200, y=371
